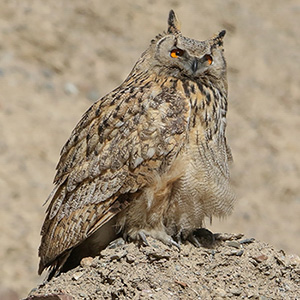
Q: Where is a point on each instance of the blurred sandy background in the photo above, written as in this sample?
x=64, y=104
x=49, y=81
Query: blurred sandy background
x=57, y=57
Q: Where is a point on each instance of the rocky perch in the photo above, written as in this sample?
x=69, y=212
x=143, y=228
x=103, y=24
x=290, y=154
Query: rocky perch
x=234, y=267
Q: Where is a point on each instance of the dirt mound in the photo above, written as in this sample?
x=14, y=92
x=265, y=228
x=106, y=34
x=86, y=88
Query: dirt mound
x=57, y=57
x=235, y=268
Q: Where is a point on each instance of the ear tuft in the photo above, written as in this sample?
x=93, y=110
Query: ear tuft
x=173, y=22
x=217, y=39
x=222, y=34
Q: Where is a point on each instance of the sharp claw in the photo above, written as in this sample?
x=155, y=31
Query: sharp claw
x=116, y=243
x=194, y=241
x=206, y=234
x=167, y=240
x=202, y=237
x=143, y=238
x=173, y=243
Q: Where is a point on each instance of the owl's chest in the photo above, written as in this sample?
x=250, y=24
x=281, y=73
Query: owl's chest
x=196, y=193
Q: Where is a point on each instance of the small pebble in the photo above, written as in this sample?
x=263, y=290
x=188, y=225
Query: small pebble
x=297, y=271
x=235, y=291
x=235, y=253
x=233, y=244
x=77, y=275
x=293, y=260
x=247, y=241
x=86, y=262
x=280, y=260
x=277, y=280
x=253, y=295
x=158, y=255
x=220, y=292
x=130, y=258
x=253, y=261
x=181, y=283
x=83, y=295
x=238, y=253
x=261, y=258
x=145, y=292
x=263, y=298
x=118, y=255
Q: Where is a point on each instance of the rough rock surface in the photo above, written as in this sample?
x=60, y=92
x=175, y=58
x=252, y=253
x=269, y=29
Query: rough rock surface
x=233, y=268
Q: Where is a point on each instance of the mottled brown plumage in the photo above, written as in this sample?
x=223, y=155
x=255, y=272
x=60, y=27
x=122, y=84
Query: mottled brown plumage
x=149, y=158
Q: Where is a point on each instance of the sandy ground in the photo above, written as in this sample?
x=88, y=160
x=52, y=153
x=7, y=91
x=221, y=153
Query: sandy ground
x=57, y=57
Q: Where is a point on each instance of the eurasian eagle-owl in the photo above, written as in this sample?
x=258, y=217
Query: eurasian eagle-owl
x=148, y=159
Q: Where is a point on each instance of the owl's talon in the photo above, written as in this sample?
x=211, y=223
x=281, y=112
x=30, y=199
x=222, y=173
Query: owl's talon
x=202, y=237
x=192, y=239
x=116, y=243
x=167, y=240
x=173, y=243
x=143, y=238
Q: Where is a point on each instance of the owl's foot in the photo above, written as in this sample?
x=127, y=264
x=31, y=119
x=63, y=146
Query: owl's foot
x=141, y=236
x=163, y=237
x=202, y=237
x=177, y=245
x=116, y=243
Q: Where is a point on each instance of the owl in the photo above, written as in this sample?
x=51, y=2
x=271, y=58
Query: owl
x=148, y=159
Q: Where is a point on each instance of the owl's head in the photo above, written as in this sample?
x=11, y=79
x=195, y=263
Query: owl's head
x=176, y=55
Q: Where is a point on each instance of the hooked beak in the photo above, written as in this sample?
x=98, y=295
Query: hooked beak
x=194, y=65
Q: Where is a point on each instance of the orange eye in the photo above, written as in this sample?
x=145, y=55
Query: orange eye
x=208, y=58
x=176, y=53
